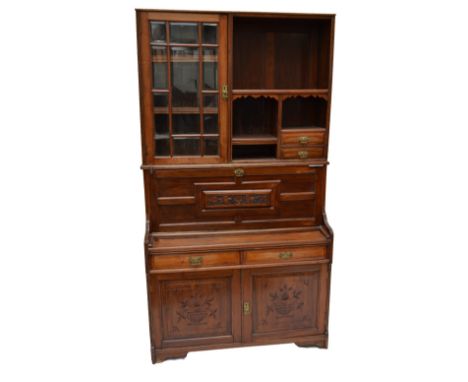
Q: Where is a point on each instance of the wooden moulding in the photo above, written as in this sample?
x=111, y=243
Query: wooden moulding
x=321, y=93
x=234, y=240
x=161, y=355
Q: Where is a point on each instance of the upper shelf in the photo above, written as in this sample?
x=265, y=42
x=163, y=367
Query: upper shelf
x=254, y=139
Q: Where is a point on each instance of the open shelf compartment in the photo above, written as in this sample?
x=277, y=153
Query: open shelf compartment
x=303, y=112
x=280, y=53
x=255, y=128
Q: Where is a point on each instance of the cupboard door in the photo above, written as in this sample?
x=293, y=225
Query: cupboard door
x=284, y=302
x=195, y=308
x=183, y=68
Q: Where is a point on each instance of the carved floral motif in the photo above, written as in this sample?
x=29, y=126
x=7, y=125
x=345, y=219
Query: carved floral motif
x=237, y=200
x=196, y=309
x=285, y=300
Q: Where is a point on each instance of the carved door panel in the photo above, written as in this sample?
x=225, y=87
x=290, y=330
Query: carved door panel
x=195, y=308
x=284, y=302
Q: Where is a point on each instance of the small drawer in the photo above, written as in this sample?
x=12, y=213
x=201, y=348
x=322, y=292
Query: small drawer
x=284, y=255
x=302, y=138
x=302, y=153
x=161, y=262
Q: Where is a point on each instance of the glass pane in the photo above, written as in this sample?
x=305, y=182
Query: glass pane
x=161, y=125
x=184, y=33
x=159, y=53
x=182, y=53
x=211, y=146
x=162, y=148
x=210, y=33
x=159, y=75
x=158, y=32
x=186, y=146
x=210, y=100
x=210, y=123
x=185, y=124
x=210, y=54
x=184, y=84
x=160, y=100
x=210, y=75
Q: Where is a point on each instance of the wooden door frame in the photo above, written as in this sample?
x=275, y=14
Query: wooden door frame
x=145, y=84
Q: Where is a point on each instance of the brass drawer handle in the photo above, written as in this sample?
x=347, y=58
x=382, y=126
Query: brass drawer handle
x=303, y=154
x=239, y=172
x=285, y=255
x=195, y=260
x=304, y=140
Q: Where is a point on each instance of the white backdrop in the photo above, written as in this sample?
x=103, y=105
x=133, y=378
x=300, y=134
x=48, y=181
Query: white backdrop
x=72, y=289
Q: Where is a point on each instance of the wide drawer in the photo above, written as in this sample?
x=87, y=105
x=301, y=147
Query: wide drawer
x=302, y=138
x=161, y=262
x=280, y=255
x=302, y=153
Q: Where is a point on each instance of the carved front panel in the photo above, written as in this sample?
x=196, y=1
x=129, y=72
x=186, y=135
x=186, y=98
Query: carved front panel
x=196, y=308
x=285, y=301
x=237, y=199
x=234, y=200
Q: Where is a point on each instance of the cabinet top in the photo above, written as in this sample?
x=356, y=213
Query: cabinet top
x=245, y=13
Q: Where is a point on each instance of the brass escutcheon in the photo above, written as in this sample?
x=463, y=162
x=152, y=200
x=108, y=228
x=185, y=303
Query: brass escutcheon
x=239, y=172
x=303, y=154
x=246, y=308
x=195, y=260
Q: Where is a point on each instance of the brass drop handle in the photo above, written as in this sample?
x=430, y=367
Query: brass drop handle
x=303, y=154
x=285, y=255
x=195, y=260
x=239, y=172
x=304, y=140
x=224, y=92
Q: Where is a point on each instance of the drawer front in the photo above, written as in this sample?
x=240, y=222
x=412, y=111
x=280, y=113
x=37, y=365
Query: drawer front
x=302, y=138
x=161, y=262
x=284, y=255
x=302, y=153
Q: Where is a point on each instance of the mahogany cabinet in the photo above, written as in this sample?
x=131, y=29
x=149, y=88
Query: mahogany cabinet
x=235, y=111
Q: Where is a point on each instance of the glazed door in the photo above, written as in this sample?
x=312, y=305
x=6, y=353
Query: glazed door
x=183, y=72
x=195, y=308
x=284, y=302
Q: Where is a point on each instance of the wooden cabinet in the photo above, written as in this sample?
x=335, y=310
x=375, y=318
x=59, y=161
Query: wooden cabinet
x=235, y=112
